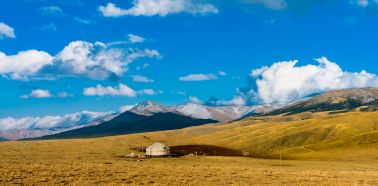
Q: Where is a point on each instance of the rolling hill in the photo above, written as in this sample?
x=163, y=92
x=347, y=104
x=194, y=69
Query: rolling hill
x=306, y=136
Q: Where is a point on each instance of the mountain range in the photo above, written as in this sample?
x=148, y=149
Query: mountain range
x=149, y=116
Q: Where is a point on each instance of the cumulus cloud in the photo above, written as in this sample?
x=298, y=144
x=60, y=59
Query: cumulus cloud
x=271, y=4
x=51, y=122
x=195, y=100
x=284, y=82
x=142, y=79
x=198, y=77
x=23, y=64
x=99, y=90
x=77, y=59
x=158, y=8
x=40, y=93
x=6, y=31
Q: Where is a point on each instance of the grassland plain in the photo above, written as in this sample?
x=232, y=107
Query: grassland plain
x=318, y=149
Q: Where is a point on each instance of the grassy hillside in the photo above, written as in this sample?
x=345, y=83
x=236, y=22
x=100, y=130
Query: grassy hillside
x=299, y=136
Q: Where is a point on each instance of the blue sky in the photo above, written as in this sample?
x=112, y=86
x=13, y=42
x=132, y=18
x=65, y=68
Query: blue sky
x=188, y=50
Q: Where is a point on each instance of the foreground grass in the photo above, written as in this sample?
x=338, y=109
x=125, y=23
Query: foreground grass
x=324, y=149
x=184, y=171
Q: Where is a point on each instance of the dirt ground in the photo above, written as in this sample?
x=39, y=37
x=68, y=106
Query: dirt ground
x=184, y=171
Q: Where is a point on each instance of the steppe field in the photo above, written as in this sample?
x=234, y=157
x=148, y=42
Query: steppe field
x=316, y=149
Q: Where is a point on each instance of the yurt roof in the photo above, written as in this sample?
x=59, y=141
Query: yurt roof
x=157, y=146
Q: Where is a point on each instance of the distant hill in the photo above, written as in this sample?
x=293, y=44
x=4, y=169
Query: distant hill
x=145, y=117
x=365, y=99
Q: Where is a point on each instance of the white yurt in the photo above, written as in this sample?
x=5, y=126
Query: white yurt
x=157, y=149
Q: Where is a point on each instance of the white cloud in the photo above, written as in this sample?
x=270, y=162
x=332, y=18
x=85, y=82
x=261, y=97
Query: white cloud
x=158, y=7
x=120, y=90
x=195, y=100
x=51, y=122
x=271, y=4
x=198, y=77
x=40, y=93
x=111, y=10
x=64, y=95
x=135, y=39
x=78, y=59
x=150, y=92
x=131, y=40
x=285, y=82
x=83, y=21
x=362, y=3
x=51, y=10
x=146, y=65
x=49, y=27
x=236, y=101
x=23, y=64
x=142, y=79
x=183, y=93
x=6, y=31
x=221, y=73
x=99, y=90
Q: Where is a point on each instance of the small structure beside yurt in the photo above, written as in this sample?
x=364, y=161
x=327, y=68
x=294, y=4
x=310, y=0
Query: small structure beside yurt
x=157, y=149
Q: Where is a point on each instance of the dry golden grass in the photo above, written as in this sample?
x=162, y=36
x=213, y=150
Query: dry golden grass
x=326, y=149
x=185, y=171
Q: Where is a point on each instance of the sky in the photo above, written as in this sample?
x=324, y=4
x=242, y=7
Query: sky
x=67, y=56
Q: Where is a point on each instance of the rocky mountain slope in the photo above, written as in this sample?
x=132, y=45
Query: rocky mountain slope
x=362, y=99
x=148, y=108
x=145, y=117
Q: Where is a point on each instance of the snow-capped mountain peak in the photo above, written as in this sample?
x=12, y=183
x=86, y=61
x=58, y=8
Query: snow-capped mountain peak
x=149, y=108
x=194, y=110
